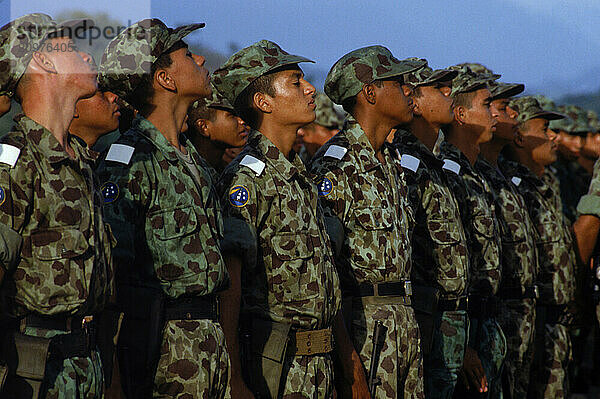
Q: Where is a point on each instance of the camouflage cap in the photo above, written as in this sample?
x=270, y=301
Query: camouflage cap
x=580, y=119
x=216, y=100
x=327, y=114
x=593, y=121
x=130, y=55
x=505, y=90
x=250, y=63
x=477, y=68
x=563, y=124
x=426, y=76
x=467, y=80
x=528, y=108
x=20, y=38
x=363, y=66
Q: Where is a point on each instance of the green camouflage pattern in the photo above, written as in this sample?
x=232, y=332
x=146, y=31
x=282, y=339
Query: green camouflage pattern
x=564, y=124
x=288, y=274
x=400, y=361
x=363, y=66
x=477, y=68
x=216, y=100
x=589, y=204
x=326, y=113
x=478, y=214
x=168, y=227
x=579, y=117
x=593, y=121
x=517, y=320
x=367, y=211
x=130, y=55
x=20, y=38
x=528, y=108
x=440, y=255
x=505, y=90
x=193, y=361
x=488, y=340
x=545, y=102
x=442, y=365
x=248, y=64
x=427, y=76
x=54, y=205
x=467, y=80
x=556, y=257
x=550, y=380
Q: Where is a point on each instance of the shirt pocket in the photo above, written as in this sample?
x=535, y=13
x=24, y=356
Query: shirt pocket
x=294, y=275
x=548, y=240
x=486, y=240
x=446, y=238
x=61, y=271
x=371, y=243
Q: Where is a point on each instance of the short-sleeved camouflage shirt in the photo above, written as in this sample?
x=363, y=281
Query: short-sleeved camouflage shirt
x=556, y=257
x=439, y=246
x=168, y=226
x=54, y=204
x=366, y=208
x=274, y=222
x=519, y=256
x=589, y=204
x=478, y=213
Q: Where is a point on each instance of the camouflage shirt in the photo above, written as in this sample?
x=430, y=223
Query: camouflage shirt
x=168, y=227
x=366, y=208
x=477, y=207
x=54, y=203
x=273, y=220
x=439, y=245
x=556, y=257
x=519, y=256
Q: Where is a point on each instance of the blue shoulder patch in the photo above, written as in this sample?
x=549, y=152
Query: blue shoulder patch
x=325, y=187
x=110, y=192
x=238, y=196
x=2, y=196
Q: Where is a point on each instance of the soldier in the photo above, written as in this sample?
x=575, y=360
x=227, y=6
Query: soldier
x=214, y=127
x=279, y=255
x=440, y=259
x=473, y=125
x=327, y=123
x=519, y=258
x=362, y=188
x=534, y=149
x=56, y=249
x=166, y=219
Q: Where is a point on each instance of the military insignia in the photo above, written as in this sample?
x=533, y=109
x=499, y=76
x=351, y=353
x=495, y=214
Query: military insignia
x=516, y=180
x=255, y=164
x=409, y=162
x=2, y=196
x=238, y=196
x=451, y=166
x=335, y=151
x=9, y=154
x=325, y=187
x=110, y=192
x=120, y=153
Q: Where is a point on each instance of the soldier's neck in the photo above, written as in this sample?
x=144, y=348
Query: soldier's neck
x=526, y=160
x=212, y=153
x=425, y=131
x=464, y=141
x=586, y=163
x=376, y=129
x=490, y=151
x=281, y=135
x=168, y=118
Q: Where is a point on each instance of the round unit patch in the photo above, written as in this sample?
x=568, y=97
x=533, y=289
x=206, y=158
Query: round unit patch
x=110, y=192
x=325, y=187
x=2, y=196
x=238, y=196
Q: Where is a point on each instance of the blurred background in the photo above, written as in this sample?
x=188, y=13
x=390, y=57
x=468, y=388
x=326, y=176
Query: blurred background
x=552, y=45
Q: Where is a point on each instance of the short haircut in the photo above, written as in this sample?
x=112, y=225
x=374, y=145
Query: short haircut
x=464, y=99
x=200, y=112
x=349, y=103
x=142, y=96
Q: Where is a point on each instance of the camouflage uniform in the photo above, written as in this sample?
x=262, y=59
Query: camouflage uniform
x=368, y=216
x=519, y=270
x=168, y=225
x=274, y=222
x=56, y=249
x=475, y=201
x=440, y=260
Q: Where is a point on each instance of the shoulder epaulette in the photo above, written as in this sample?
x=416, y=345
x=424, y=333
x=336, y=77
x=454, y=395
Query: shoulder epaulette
x=335, y=151
x=451, y=166
x=516, y=180
x=409, y=162
x=9, y=154
x=120, y=153
x=253, y=163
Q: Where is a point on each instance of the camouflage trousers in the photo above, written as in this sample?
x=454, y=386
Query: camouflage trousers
x=488, y=340
x=401, y=362
x=517, y=320
x=548, y=375
x=76, y=377
x=193, y=361
x=444, y=361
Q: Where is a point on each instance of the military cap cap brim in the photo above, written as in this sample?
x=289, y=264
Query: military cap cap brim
x=440, y=75
x=506, y=90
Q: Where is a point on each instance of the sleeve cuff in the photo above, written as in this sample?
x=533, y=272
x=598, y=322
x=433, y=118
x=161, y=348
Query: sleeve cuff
x=589, y=205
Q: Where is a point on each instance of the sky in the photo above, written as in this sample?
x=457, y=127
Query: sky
x=552, y=46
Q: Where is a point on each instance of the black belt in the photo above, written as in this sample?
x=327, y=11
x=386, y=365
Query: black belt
x=192, y=308
x=483, y=307
x=79, y=340
x=396, y=288
x=531, y=291
x=452, y=305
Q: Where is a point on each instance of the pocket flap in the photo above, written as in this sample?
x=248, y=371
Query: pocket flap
x=293, y=245
x=484, y=225
x=58, y=243
x=444, y=232
x=374, y=218
x=173, y=223
x=549, y=232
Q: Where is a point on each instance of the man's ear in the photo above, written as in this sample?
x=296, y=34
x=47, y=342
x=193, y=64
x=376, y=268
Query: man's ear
x=201, y=126
x=519, y=139
x=460, y=115
x=42, y=62
x=417, y=108
x=369, y=93
x=262, y=101
x=164, y=80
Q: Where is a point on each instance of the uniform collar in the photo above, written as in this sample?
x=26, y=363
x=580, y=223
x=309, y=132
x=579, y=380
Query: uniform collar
x=273, y=156
x=357, y=140
x=148, y=130
x=404, y=140
x=449, y=151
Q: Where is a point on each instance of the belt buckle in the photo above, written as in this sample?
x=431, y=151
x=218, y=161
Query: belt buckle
x=407, y=288
x=536, y=291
